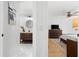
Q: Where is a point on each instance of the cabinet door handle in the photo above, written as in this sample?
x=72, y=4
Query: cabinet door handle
x=2, y=35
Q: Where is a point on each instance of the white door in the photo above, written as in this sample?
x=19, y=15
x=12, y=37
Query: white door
x=9, y=40
x=3, y=28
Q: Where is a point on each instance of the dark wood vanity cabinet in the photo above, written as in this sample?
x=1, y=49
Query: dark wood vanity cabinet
x=25, y=37
x=72, y=50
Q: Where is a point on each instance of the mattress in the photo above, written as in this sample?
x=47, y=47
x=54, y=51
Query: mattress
x=71, y=37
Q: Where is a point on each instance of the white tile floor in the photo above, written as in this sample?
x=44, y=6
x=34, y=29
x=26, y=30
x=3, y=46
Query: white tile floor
x=24, y=50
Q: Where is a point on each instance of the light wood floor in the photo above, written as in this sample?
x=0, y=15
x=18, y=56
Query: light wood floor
x=54, y=49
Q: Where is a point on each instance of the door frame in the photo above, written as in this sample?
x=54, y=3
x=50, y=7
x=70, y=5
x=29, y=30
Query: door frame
x=1, y=28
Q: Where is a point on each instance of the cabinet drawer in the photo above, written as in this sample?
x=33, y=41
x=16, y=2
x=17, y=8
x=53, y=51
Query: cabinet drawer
x=26, y=36
x=71, y=48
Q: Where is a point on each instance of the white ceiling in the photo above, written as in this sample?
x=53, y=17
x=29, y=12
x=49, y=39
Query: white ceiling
x=55, y=8
x=23, y=7
x=26, y=8
x=60, y=8
x=14, y=4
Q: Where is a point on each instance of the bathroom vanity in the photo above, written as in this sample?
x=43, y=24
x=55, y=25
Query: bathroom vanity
x=26, y=37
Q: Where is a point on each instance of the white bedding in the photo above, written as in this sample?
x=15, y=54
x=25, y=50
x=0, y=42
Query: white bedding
x=71, y=37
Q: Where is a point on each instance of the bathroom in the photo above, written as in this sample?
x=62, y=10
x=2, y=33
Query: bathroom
x=18, y=15
x=26, y=28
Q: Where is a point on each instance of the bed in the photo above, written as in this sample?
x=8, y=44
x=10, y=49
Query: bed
x=64, y=38
x=71, y=41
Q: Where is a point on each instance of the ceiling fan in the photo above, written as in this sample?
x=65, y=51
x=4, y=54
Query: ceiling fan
x=69, y=13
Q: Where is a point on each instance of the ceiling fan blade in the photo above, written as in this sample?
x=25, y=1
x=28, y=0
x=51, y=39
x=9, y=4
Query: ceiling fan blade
x=75, y=12
x=74, y=15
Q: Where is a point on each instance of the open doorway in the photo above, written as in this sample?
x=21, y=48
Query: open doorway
x=26, y=31
x=62, y=34
x=26, y=34
x=26, y=28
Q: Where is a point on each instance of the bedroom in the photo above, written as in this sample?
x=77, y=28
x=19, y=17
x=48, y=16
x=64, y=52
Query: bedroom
x=62, y=29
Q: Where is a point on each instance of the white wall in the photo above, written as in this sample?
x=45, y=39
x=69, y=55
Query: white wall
x=64, y=23
x=25, y=10
x=23, y=21
x=40, y=31
x=1, y=27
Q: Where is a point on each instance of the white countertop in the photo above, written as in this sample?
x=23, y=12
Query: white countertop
x=25, y=32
